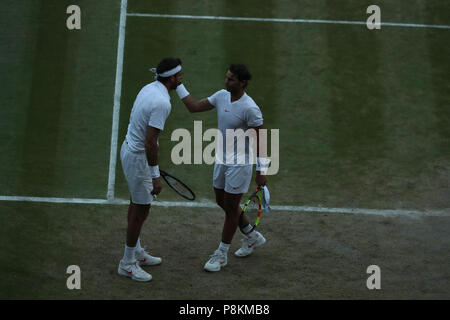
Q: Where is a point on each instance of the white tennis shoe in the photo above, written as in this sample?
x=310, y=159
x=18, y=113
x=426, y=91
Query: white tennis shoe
x=144, y=259
x=249, y=243
x=134, y=271
x=217, y=261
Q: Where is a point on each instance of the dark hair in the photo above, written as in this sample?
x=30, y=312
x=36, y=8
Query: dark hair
x=240, y=71
x=165, y=65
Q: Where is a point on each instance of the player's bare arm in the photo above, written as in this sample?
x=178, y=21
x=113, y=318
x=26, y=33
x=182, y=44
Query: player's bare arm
x=151, y=151
x=261, y=152
x=192, y=104
x=197, y=106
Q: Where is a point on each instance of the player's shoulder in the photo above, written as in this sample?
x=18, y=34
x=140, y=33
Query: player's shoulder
x=154, y=86
x=249, y=102
x=219, y=97
x=221, y=93
x=148, y=87
x=146, y=91
x=156, y=92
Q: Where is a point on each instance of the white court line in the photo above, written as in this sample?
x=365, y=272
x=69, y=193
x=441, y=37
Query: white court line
x=383, y=24
x=117, y=95
x=212, y=205
x=55, y=200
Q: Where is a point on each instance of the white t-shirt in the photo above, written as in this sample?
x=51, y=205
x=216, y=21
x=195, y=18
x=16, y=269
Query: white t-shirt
x=151, y=108
x=242, y=114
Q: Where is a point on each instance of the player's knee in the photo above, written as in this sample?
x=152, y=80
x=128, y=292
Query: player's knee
x=220, y=203
x=231, y=209
x=139, y=212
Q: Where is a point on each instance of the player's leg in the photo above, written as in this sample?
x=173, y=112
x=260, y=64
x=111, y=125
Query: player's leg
x=129, y=265
x=230, y=203
x=135, y=256
x=137, y=214
x=243, y=221
x=232, y=213
x=238, y=180
x=252, y=239
x=220, y=193
x=229, y=183
x=218, y=259
x=139, y=184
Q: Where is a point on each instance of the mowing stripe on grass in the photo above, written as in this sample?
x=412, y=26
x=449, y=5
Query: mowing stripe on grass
x=383, y=24
x=117, y=95
x=212, y=205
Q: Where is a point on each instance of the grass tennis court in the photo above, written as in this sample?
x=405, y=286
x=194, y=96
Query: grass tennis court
x=364, y=123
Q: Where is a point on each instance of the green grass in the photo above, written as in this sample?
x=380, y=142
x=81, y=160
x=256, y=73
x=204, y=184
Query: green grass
x=346, y=104
x=57, y=98
x=363, y=118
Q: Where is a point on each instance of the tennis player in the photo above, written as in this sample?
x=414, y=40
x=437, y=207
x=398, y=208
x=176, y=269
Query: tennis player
x=232, y=176
x=139, y=157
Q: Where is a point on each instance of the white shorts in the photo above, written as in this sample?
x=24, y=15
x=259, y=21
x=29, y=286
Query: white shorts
x=234, y=179
x=137, y=173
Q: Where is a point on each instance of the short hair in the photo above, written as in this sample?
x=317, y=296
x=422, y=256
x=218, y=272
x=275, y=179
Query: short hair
x=166, y=64
x=241, y=72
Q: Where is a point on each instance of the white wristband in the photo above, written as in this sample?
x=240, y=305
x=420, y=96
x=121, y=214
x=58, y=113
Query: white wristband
x=262, y=164
x=182, y=92
x=154, y=171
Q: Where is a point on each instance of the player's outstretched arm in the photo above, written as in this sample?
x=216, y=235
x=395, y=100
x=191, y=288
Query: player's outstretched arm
x=197, y=106
x=191, y=104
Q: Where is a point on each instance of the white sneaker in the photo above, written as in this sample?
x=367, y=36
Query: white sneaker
x=144, y=259
x=134, y=271
x=249, y=243
x=217, y=261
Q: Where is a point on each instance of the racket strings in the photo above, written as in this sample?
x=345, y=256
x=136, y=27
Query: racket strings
x=252, y=208
x=179, y=187
x=254, y=203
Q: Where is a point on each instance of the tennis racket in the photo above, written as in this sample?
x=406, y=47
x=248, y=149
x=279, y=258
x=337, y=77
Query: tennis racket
x=177, y=185
x=253, y=207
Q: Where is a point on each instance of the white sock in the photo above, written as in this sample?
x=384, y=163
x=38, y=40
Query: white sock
x=246, y=230
x=129, y=254
x=138, y=244
x=224, y=247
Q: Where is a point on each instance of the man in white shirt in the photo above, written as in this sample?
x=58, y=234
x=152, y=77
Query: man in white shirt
x=232, y=170
x=139, y=157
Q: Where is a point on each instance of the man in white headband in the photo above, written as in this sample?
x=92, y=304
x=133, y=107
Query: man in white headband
x=139, y=157
x=231, y=179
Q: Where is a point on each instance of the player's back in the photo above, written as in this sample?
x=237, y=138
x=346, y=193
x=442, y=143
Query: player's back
x=153, y=95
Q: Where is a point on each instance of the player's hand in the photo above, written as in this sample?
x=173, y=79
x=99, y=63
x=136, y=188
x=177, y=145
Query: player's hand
x=179, y=79
x=260, y=179
x=157, y=186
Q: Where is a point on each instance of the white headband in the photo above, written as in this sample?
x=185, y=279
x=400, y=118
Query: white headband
x=168, y=73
